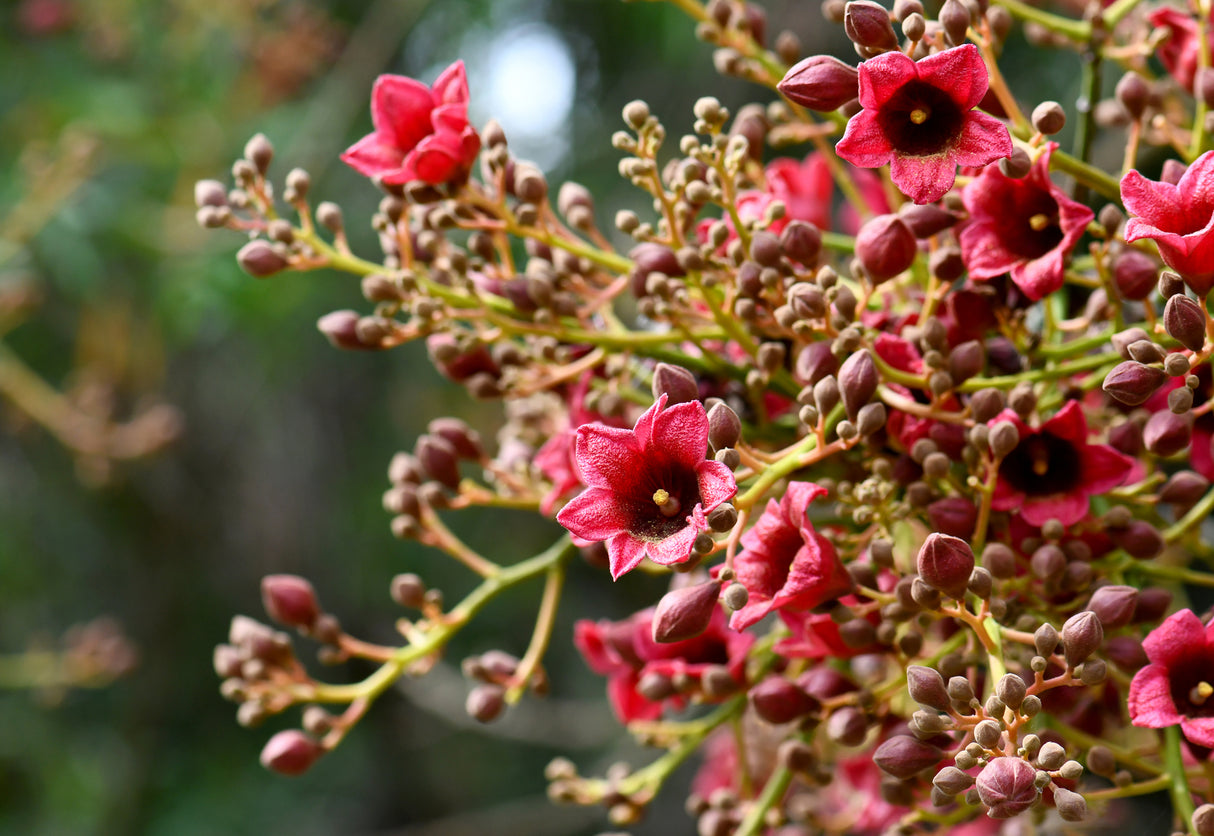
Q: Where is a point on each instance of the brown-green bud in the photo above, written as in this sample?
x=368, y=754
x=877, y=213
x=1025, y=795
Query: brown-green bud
x=1140, y=539
x=868, y=25
x=857, y=381
x=1167, y=433
x=1070, y=804
x=1183, y=489
x=988, y=733
x=1011, y=689
x=676, y=383
x=1051, y=756
x=847, y=726
x=952, y=781
x=439, y=460
x=1046, y=639
x=802, y=242
x=1049, y=118
x=927, y=687
x=1203, y=820
x=723, y=518
x=290, y=600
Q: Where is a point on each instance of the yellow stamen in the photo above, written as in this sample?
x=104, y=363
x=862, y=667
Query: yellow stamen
x=919, y=115
x=1200, y=693
x=667, y=504
x=1041, y=459
x=1039, y=222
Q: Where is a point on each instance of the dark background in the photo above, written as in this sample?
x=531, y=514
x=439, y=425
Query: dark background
x=109, y=111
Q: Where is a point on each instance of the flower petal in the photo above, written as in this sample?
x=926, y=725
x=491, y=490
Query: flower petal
x=959, y=72
x=1150, y=699
x=607, y=457
x=371, y=156
x=680, y=433
x=983, y=140
x=1175, y=639
x=882, y=77
x=400, y=110
x=923, y=179
x=1068, y=509
x=624, y=553
x=716, y=482
x=451, y=87
x=593, y=515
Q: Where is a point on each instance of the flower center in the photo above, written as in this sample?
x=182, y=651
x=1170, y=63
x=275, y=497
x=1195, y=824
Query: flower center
x=1200, y=692
x=921, y=120
x=1039, y=221
x=1042, y=465
x=920, y=115
x=667, y=504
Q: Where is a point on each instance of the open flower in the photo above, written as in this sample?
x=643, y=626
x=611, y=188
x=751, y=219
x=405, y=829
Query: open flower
x=421, y=133
x=648, y=488
x=1053, y=471
x=1178, y=52
x=1179, y=218
x=920, y=118
x=1026, y=227
x=785, y=563
x=640, y=670
x=1177, y=687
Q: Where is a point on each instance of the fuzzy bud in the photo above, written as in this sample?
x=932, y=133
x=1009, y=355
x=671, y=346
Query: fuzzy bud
x=1070, y=804
x=847, y=726
x=1011, y=689
x=290, y=752
x=260, y=260
x=778, y=701
x=857, y=381
x=868, y=25
x=1203, y=820
x=724, y=427
x=290, y=600
x=904, y=756
x=1183, y=489
x=952, y=781
x=926, y=686
x=885, y=246
x=1049, y=118
x=1081, y=635
x=1185, y=321
x=822, y=83
x=945, y=563
x=1135, y=274
x=801, y=241
x=1133, y=383
x=684, y=613
x=485, y=702
x=1140, y=539
x=1167, y=433
x=676, y=383
x=439, y=459
x=1007, y=787
x=1114, y=605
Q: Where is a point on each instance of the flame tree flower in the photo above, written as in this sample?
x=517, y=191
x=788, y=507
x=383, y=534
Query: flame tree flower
x=648, y=488
x=920, y=118
x=1025, y=227
x=1177, y=687
x=1179, y=217
x=421, y=133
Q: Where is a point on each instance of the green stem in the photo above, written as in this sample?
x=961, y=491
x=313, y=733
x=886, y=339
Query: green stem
x=1182, y=799
x=1083, y=364
x=1193, y=518
x=1119, y=9
x=777, y=471
x=1076, y=30
x=1087, y=174
x=651, y=777
x=773, y=791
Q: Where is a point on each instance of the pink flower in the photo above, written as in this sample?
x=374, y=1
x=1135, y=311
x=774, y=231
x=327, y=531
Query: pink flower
x=1027, y=227
x=1179, y=217
x=649, y=488
x=920, y=117
x=1053, y=471
x=1176, y=688
x=1178, y=51
x=625, y=652
x=785, y=563
x=421, y=133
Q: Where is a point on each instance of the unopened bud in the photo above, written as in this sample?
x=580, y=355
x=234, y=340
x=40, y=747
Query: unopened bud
x=1006, y=786
x=723, y=518
x=485, y=702
x=904, y=756
x=802, y=242
x=954, y=17
x=885, y=246
x=290, y=752
x=684, y=613
x=1070, y=804
x=1114, y=605
x=677, y=383
x=290, y=600
x=779, y=701
x=867, y=24
x=1203, y=820
x=439, y=459
x=1133, y=383
x=1133, y=93
x=1081, y=635
x=1049, y=118
x=259, y=152
x=1167, y=433
x=1135, y=274
x=821, y=82
x=1185, y=321
x=857, y=381
x=945, y=563
x=210, y=193
x=260, y=260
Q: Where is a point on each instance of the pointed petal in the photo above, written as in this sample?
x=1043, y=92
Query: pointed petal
x=451, y=87
x=593, y=515
x=608, y=457
x=1150, y=699
x=983, y=140
x=370, y=156
x=436, y=159
x=717, y=484
x=864, y=143
x=1068, y=424
x=1179, y=635
x=1156, y=203
x=1041, y=276
x=923, y=179
x=882, y=77
x=400, y=110
x=959, y=72
x=644, y=425
x=1102, y=468
x=624, y=553
x=1196, y=185
x=1199, y=730
x=1068, y=509
x=680, y=433
x=673, y=549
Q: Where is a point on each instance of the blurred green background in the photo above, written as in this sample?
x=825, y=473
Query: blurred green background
x=110, y=110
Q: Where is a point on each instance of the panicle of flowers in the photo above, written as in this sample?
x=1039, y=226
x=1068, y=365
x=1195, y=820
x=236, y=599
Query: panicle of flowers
x=912, y=419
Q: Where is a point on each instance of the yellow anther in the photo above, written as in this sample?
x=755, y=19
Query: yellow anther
x=1039, y=222
x=667, y=504
x=1200, y=693
x=919, y=115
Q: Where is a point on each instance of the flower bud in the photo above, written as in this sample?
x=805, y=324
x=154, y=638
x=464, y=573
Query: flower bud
x=210, y=193
x=945, y=563
x=954, y=18
x=723, y=518
x=926, y=686
x=952, y=781
x=1006, y=786
x=1203, y=820
x=1133, y=93
x=904, y=756
x=857, y=381
x=926, y=220
x=465, y=440
x=802, y=242
x=822, y=83
x=259, y=152
x=724, y=427
x=1011, y=689
x=1049, y=118
x=885, y=245
x=650, y=258
x=290, y=752
x=485, y=702
x=999, y=560
x=684, y=613
x=952, y=515
x=1070, y=804
x=966, y=360
x=871, y=418
x=1185, y=321
x=1183, y=489
x=1081, y=635
x=290, y=600
x=676, y=383
x=815, y=362
x=1133, y=383
x=1114, y=605
x=260, y=260
x=868, y=25
x=1135, y=274
x=1139, y=539
x=439, y=460
x=1047, y=562
x=778, y=701
x=847, y=726
x=1167, y=433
